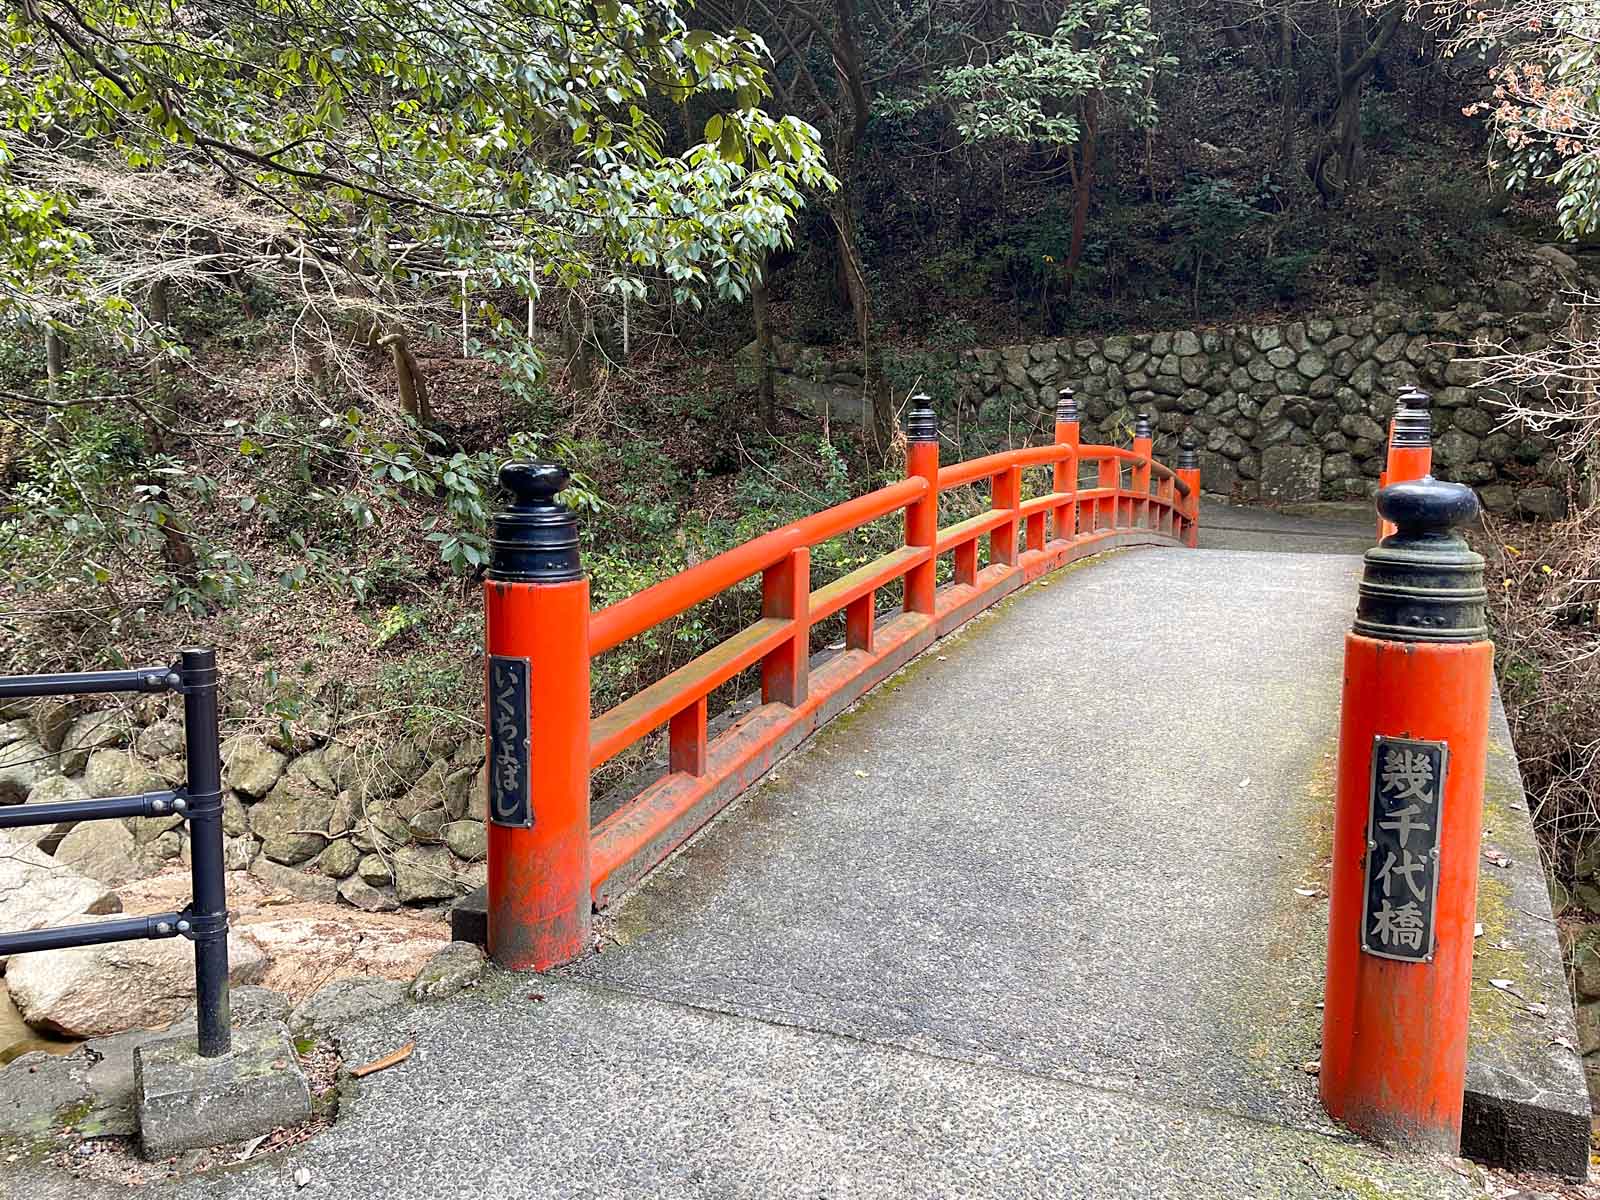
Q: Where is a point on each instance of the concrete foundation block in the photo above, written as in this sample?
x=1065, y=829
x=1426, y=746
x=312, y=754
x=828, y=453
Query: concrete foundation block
x=186, y=1102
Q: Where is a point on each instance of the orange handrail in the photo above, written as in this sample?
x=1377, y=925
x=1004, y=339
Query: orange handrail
x=1147, y=503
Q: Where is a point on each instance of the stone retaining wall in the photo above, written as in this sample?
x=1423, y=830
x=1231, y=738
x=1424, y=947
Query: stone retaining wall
x=376, y=826
x=1297, y=411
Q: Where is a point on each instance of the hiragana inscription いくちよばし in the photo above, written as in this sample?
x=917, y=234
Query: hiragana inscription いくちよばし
x=509, y=790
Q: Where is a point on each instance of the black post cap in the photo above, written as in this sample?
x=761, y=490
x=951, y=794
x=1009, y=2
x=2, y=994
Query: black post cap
x=921, y=423
x=1141, y=425
x=536, y=539
x=1413, y=424
x=1423, y=583
x=1066, y=405
x=1188, y=452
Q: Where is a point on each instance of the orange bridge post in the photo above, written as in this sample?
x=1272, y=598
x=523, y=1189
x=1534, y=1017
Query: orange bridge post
x=922, y=516
x=537, y=725
x=1144, y=446
x=1407, y=827
x=1188, y=470
x=1410, y=452
x=1065, y=483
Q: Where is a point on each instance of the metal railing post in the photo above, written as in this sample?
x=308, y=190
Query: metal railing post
x=536, y=602
x=202, y=799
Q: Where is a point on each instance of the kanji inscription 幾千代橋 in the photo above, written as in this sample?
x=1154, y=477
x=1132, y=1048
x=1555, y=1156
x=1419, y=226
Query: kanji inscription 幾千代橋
x=1407, y=798
x=510, y=799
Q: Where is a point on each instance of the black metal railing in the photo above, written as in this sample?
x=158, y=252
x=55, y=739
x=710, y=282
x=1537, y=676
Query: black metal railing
x=205, y=921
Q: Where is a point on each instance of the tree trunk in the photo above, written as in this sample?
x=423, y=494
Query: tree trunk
x=54, y=358
x=1083, y=189
x=412, y=385
x=766, y=383
x=1288, y=89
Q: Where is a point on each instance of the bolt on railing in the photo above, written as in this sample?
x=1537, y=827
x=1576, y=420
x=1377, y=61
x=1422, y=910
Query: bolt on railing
x=199, y=801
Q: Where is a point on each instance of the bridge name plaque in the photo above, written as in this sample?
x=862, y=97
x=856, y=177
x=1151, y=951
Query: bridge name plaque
x=510, y=790
x=1402, y=877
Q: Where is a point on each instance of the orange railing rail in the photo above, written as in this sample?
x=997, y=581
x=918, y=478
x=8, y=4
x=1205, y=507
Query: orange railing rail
x=1134, y=500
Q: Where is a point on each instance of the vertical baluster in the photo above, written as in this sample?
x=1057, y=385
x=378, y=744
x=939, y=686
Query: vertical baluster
x=686, y=739
x=786, y=595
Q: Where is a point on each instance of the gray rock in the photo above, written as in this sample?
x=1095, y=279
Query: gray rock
x=1281, y=357
x=1455, y=446
x=289, y=828
x=423, y=873
x=119, y=773
x=1358, y=425
x=40, y=892
x=106, y=728
x=429, y=826
x=374, y=869
x=1266, y=337
x=1319, y=330
x=1500, y=498
x=239, y=852
x=24, y=765
x=52, y=719
x=1391, y=349
x=467, y=840
x=1311, y=364
x=1117, y=349
x=1474, y=420
x=1218, y=475
x=235, y=820
x=457, y=966
x=317, y=887
x=161, y=739
x=105, y=851
x=340, y=859
x=1338, y=466
x=345, y=1000
x=57, y=789
x=147, y=830
x=358, y=892
x=1291, y=474
x=1544, y=502
x=251, y=765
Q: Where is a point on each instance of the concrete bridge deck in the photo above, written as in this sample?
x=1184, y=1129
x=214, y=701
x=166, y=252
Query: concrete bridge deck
x=1044, y=916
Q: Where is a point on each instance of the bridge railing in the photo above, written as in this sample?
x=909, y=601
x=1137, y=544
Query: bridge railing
x=538, y=624
x=199, y=801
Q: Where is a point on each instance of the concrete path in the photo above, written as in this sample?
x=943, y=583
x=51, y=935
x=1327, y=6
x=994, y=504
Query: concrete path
x=1025, y=923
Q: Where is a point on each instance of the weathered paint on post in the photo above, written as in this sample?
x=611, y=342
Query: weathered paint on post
x=537, y=624
x=1418, y=666
x=922, y=515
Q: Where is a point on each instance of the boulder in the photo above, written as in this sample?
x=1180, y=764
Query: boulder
x=345, y=1000
x=358, y=892
x=339, y=860
x=105, y=851
x=239, y=852
x=103, y=729
x=290, y=827
x=423, y=873
x=1291, y=474
x=307, y=886
x=90, y=991
x=119, y=773
x=468, y=840
x=310, y=949
x=160, y=740
x=374, y=869
x=24, y=765
x=1546, y=502
x=235, y=820
x=313, y=769
x=250, y=765
x=53, y=717
x=456, y=967
x=57, y=789
x=39, y=892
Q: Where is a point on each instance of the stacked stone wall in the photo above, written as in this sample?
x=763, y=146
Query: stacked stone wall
x=1297, y=411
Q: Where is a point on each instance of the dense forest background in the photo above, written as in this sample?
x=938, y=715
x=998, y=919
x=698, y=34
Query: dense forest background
x=284, y=284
